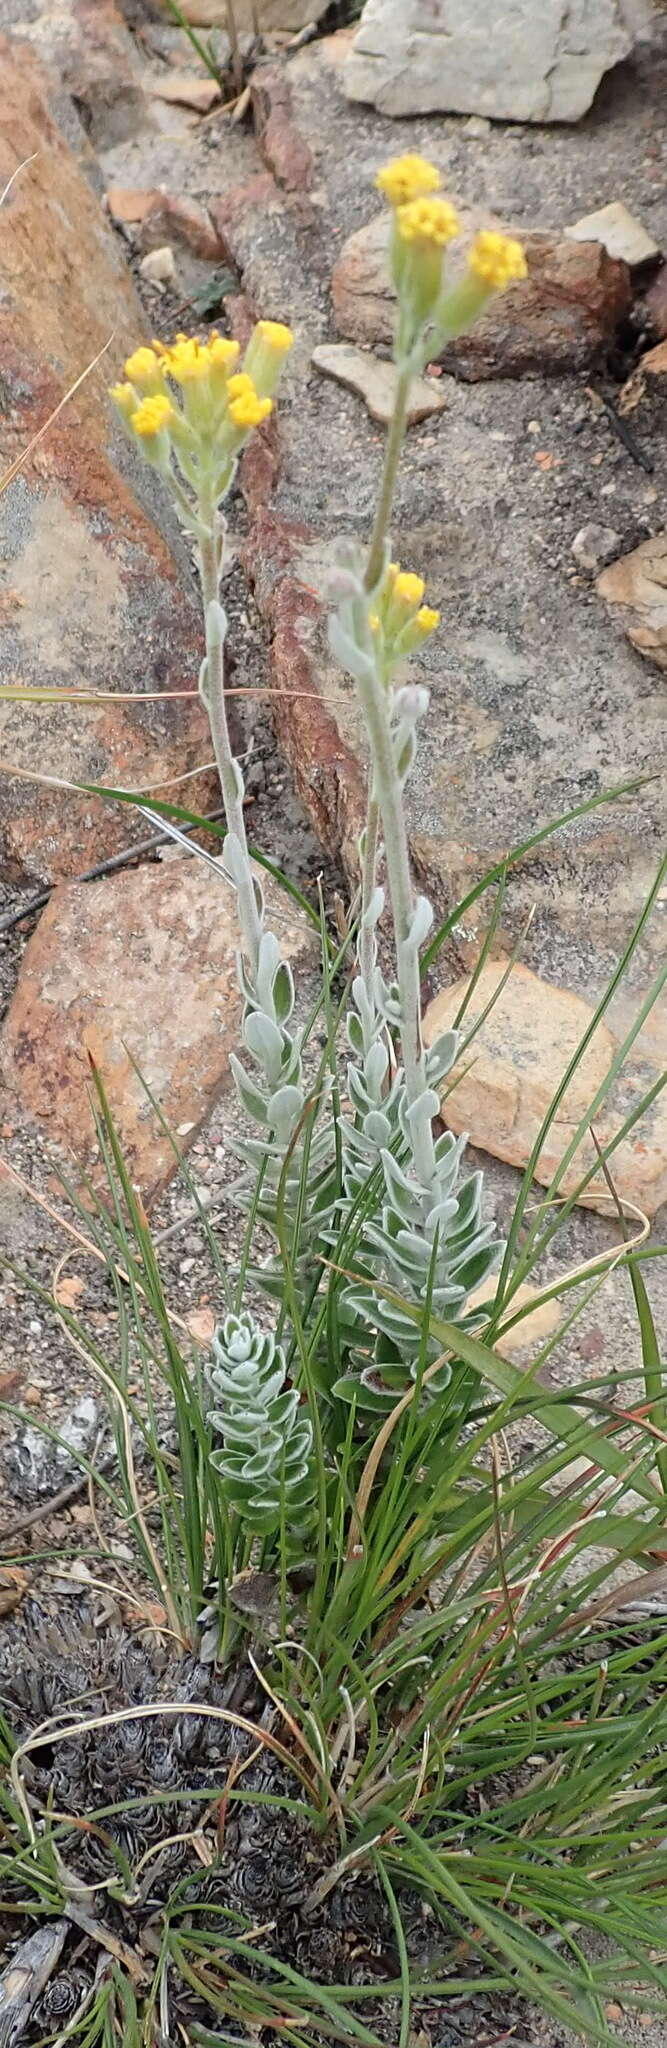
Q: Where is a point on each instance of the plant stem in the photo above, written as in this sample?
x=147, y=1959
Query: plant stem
x=389, y=475
x=390, y=805
x=367, y=944
x=212, y=690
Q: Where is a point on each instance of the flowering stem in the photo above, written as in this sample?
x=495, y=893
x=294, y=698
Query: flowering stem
x=389, y=475
x=367, y=945
x=212, y=691
x=390, y=805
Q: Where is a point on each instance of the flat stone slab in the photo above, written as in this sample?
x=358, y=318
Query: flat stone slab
x=523, y=63
x=620, y=233
x=375, y=381
x=514, y=1067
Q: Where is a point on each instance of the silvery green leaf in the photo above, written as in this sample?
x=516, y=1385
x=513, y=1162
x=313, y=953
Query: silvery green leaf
x=424, y=1107
x=441, y=1056
x=405, y=748
x=203, y=677
x=350, y=657
x=285, y=1108
x=375, y=1068
x=377, y=1128
x=374, y=908
x=216, y=624
x=265, y=1041
x=233, y=859
x=283, y=992
x=253, y=1102
x=355, y=1034
x=421, y=922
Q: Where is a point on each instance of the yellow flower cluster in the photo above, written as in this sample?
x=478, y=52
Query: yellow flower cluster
x=406, y=178
x=217, y=395
x=430, y=222
x=152, y=416
x=400, y=617
x=497, y=260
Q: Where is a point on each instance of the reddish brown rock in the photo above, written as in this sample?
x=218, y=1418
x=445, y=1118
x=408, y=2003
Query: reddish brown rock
x=655, y=305
x=169, y=218
x=328, y=771
x=283, y=147
x=90, y=594
x=139, y=966
x=571, y=303
x=514, y=1067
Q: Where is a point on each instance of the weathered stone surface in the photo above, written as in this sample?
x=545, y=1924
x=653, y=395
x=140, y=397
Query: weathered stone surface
x=572, y=301
x=141, y=964
x=283, y=148
x=375, y=381
x=518, y=64
x=620, y=233
x=635, y=589
x=88, y=44
x=261, y=15
x=516, y=1064
x=89, y=590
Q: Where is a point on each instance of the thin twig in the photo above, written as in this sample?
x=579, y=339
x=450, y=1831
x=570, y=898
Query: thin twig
x=44, y=1509
x=102, y=867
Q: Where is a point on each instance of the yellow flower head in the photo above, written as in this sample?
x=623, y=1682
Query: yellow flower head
x=144, y=369
x=188, y=360
x=427, y=620
x=125, y=397
x=406, y=178
x=407, y=590
x=222, y=354
x=433, y=222
x=152, y=416
x=240, y=384
x=497, y=260
x=248, y=410
x=274, y=335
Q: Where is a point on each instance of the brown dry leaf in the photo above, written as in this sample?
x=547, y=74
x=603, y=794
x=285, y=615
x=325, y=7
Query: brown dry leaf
x=201, y=1325
x=13, y=1585
x=129, y=206
x=185, y=89
x=653, y=364
x=67, y=1290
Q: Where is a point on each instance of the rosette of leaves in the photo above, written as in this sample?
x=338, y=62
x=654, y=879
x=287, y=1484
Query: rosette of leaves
x=266, y=1456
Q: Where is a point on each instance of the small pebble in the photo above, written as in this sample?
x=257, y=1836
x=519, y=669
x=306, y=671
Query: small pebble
x=159, y=266
x=593, y=546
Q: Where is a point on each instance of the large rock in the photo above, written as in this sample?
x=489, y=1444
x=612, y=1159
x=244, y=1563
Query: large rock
x=514, y=1067
x=140, y=966
x=90, y=594
x=572, y=301
x=635, y=589
x=517, y=63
